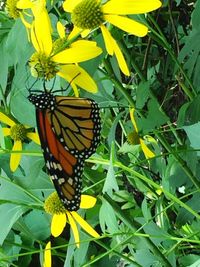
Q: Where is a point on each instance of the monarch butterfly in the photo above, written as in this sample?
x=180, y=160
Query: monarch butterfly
x=69, y=131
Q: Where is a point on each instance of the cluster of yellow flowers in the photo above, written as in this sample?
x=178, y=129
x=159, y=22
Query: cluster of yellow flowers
x=61, y=56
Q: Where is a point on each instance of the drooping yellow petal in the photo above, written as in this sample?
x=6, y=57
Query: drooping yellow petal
x=123, y=7
x=38, y=7
x=34, y=137
x=41, y=36
x=108, y=40
x=24, y=4
x=127, y=25
x=69, y=5
x=77, y=54
x=147, y=152
x=47, y=255
x=132, y=110
x=15, y=157
x=120, y=59
x=26, y=24
x=74, y=228
x=80, y=77
x=6, y=131
x=87, y=202
x=57, y=224
x=112, y=47
x=84, y=224
x=60, y=29
x=5, y=119
x=34, y=39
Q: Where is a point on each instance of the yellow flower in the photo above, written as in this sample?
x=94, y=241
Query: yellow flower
x=26, y=10
x=18, y=132
x=36, y=6
x=60, y=58
x=61, y=216
x=147, y=152
x=91, y=14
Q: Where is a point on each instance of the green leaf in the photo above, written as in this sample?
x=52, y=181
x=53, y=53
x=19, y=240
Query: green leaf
x=110, y=182
x=192, y=132
x=154, y=117
x=143, y=94
x=145, y=210
x=187, y=260
x=184, y=216
x=190, y=112
x=107, y=218
x=145, y=258
x=11, y=213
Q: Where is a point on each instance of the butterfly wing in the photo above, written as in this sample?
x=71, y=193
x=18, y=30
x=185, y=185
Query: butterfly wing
x=69, y=134
x=64, y=168
x=76, y=123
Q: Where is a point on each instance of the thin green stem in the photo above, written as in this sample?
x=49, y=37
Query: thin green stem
x=117, y=84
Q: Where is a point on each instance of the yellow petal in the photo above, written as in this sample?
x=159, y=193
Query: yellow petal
x=69, y=5
x=15, y=157
x=147, y=152
x=87, y=202
x=85, y=33
x=127, y=25
x=75, y=32
x=34, y=137
x=47, y=255
x=26, y=24
x=123, y=7
x=58, y=224
x=84, y=224
x=75, y=89
x=41, y=36
x=77, y=54
x=5, y=119
x=112, y=47
x=83, y=79
x=81, y=43
x=38, y=7
x=108, y=40
x=120, y=59
x=24, y=4
x=60, y=29
x=6, y=131
x=74, y=228
x=132, y=110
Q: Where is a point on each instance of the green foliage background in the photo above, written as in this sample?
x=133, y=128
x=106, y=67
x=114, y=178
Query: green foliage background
x=147, y=210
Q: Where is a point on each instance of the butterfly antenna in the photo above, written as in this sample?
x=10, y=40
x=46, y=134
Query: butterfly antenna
x=54, y=80
x=44, y=86
x=30, y=89
x=57, y=91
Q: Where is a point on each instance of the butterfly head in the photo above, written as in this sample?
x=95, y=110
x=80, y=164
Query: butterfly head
x=43, y=101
